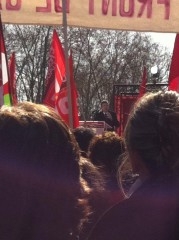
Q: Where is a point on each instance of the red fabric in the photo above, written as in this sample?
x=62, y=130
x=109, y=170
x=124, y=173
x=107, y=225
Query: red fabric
x=56, y=71
x=49, y=96
x=12, y=74
x=60, y=71
x=62, y=101
x=142, y=89
x=56, y=94
x=62, y=104
x=49, y=99
x=123, y=106
x=173, y=81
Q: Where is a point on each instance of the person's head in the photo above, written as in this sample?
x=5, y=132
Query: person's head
x=105, y=150
x=83, y=136
x=34, y=135
x=152, y=134
x=38, y=151
x=104, y=105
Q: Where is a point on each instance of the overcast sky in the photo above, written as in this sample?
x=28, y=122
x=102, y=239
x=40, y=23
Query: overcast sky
x=164, y=39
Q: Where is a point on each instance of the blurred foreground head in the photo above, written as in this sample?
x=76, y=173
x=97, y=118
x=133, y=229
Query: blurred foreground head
x=152, y=134
x=39, y=175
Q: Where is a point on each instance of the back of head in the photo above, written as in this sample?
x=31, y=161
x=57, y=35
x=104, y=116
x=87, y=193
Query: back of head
x=39, y=159
x=105, y=151
x=83, y=137
x=34, y=135
x=153, y=132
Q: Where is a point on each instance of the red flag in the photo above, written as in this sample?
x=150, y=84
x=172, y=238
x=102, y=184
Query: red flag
x=62, y=102
x=12, y=75
x=5, y=97
x=142, y=89
x=56, y=94
x=173, y=81
x=49, y=95
x=56, y=71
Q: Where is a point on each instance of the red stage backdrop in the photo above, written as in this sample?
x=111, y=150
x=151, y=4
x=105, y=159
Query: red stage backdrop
x=123, y=105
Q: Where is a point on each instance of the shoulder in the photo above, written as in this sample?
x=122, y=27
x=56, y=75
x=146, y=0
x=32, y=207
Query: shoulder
x=108, y=225
x=145, y=214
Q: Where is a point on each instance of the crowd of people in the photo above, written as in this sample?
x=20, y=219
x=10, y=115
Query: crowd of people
x=63, y=184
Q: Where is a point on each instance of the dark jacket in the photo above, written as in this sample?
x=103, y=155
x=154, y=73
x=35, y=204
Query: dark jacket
x=151, y=213
x=113, y=121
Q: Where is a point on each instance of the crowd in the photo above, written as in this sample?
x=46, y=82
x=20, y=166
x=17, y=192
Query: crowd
x=63, y=184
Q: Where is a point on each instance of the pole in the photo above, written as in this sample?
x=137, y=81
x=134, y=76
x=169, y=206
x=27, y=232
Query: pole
x=67, y=63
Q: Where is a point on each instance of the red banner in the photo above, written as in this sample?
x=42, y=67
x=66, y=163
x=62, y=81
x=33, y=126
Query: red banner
x=123, y=105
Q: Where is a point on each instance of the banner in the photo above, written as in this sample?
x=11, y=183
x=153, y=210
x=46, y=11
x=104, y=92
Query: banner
x=137, y=15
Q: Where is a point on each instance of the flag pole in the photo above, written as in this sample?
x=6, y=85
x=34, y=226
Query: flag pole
x=67, y=62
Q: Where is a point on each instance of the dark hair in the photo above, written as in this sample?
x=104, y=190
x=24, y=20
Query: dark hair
x=104, y=101
x=152, y=131
x=96, y=193
x=43, y=153
x=105, y=150
x=35, y=135
x=83, y=136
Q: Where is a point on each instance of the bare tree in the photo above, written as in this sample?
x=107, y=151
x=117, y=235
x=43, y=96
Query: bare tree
x=102, y=58
x=31, y=45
